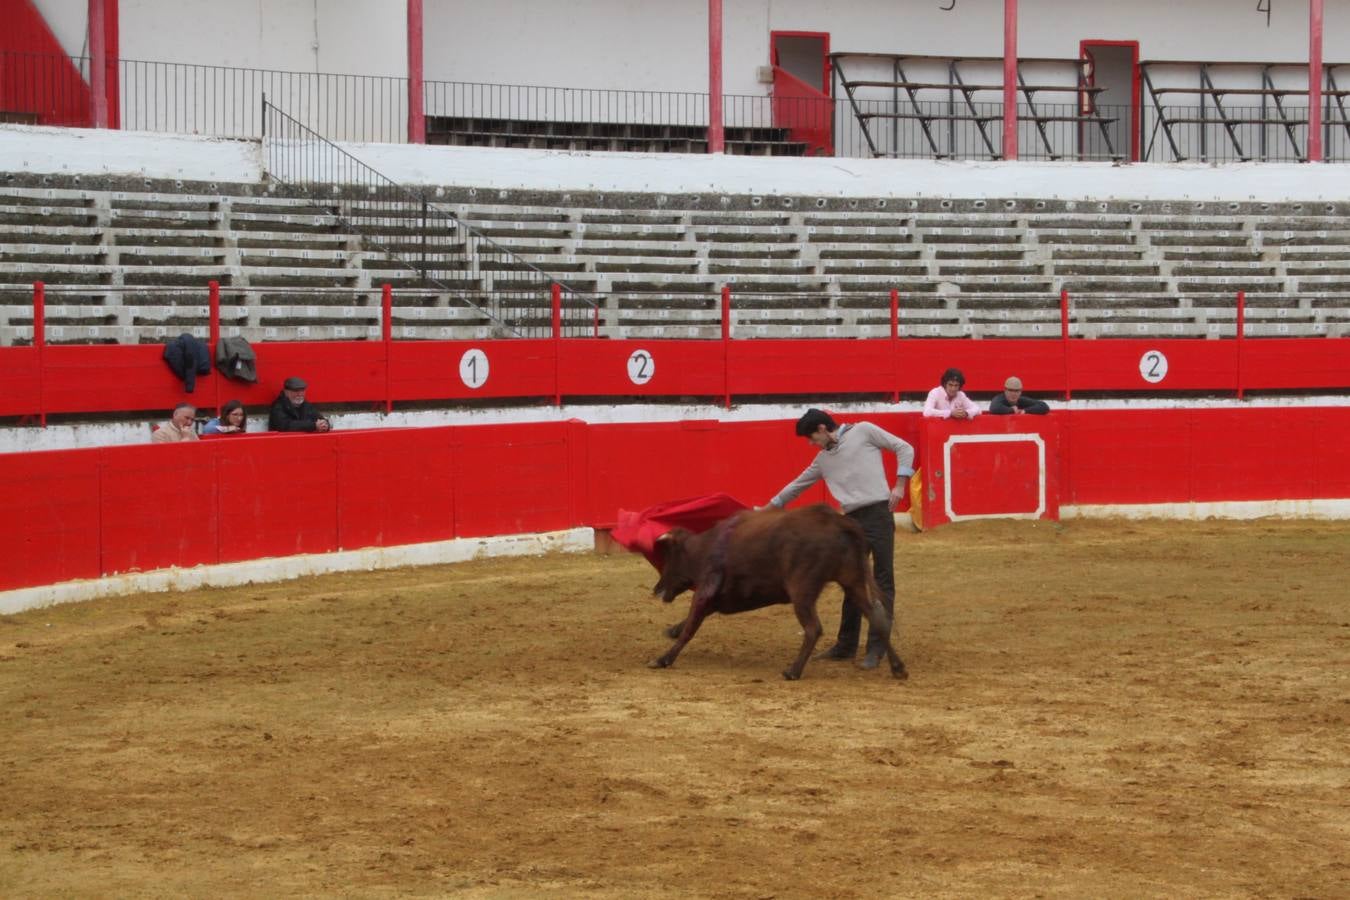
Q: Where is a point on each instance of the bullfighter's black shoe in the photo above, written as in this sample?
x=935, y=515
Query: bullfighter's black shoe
x=838, y=651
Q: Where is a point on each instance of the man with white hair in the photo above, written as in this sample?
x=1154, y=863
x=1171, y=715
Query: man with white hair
x=180, y=426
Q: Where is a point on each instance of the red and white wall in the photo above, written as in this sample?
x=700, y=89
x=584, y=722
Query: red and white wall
x=272, y=506
x=619, y=44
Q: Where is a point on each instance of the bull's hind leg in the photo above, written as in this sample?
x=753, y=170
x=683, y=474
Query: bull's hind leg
x=804, y=605
x=880, y=622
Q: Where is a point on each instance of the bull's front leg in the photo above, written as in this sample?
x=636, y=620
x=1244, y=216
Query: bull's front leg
x=698, y=611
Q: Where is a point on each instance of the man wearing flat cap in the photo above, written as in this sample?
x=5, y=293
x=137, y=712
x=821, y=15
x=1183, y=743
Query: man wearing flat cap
x=291, y=412
x=1012, y=403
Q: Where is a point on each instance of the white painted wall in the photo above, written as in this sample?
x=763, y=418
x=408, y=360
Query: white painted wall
x=68, y=21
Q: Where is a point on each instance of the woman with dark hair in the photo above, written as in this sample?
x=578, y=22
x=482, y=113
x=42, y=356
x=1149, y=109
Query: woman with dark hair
x=948, y=401
x=233, y=420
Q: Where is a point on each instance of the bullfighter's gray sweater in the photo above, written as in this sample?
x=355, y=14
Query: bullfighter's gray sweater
x=852, y=468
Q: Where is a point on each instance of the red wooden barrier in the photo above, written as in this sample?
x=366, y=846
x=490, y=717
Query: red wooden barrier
x=159, y=508
x=42, y=380
x=21, y=377
x=84, y=513
x=395, y=487
x=49, y=517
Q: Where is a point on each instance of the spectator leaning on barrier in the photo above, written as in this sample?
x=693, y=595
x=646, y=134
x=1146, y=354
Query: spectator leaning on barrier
x=1012, y=403
x=232, y=420
x=291, y=412
x=179, y=427
x=948, y=401
x=850, y=462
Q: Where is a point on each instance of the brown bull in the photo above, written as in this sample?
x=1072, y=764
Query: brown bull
x=770, y=556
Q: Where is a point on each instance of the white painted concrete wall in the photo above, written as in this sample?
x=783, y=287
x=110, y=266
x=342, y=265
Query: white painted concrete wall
x=68, y=21
x=32, y=149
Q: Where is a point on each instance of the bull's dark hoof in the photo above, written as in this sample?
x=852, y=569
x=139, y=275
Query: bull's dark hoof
x=659, y=663
x=900, y=672
x=789, y=675
x=872, y=659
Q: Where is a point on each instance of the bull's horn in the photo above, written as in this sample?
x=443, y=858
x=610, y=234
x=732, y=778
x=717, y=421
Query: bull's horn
x=668, y=536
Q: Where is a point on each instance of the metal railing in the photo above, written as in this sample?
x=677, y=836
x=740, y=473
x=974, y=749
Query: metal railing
x=435, y=248
x=225, y=101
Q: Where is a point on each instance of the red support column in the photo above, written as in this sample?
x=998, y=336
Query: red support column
x=557, y=344
x=417, y=120
x=1314, y=81
x=1010, y=79
x=98, y=66
x=39, y=342
x=213, y=340
x=895, y=345
x=1064, y=339
x=716, y=136
x=726, y=346
x=387, y=336
x=1241, y=336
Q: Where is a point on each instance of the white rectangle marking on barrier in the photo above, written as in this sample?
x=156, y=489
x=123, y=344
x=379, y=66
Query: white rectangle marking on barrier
x=955, y=439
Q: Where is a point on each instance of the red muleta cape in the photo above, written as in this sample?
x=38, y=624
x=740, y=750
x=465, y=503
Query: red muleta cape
x=638, y=531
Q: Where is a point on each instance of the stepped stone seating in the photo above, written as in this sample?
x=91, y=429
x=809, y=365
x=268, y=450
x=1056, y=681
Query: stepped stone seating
x=128, y=262
x=478, y=131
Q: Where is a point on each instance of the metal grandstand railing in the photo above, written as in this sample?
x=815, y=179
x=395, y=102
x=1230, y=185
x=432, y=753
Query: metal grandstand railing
x=437, y=248
x=185, y=98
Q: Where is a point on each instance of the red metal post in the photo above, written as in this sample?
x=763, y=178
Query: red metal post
x=213, y=312
x=112, y=51
x=98, y=66
x=387, y=336
x=1314, y=82
x=895, y=345
x=1241, y=336
x=557, y=344
x=39, y=342
x=716, y=135
x=1064, y=339
x=417, y=119
x=1010, y=79
x=726, y=346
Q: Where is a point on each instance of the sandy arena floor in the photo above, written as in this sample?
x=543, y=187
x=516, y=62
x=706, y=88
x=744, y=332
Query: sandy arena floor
x=1095, y=709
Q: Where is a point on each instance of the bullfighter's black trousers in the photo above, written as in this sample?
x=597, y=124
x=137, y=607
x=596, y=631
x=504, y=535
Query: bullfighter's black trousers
x=878, y=524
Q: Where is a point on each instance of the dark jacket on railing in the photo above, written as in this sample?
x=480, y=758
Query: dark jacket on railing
x=235, y=359
x=286, y=416
x=188, y=357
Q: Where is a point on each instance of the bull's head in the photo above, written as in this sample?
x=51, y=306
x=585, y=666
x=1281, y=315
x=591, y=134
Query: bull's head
x=678, y=568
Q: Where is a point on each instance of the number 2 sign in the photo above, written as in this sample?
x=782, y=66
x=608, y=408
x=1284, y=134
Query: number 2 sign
x=641, y=367
x=1153, y=366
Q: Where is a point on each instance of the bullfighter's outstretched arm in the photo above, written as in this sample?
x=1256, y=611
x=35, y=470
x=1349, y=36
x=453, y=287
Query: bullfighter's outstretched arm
x=810, y=475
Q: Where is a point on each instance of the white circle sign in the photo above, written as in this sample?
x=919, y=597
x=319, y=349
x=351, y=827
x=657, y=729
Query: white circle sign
x=641, y=366
x=473, y=368
x=1153, y=366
